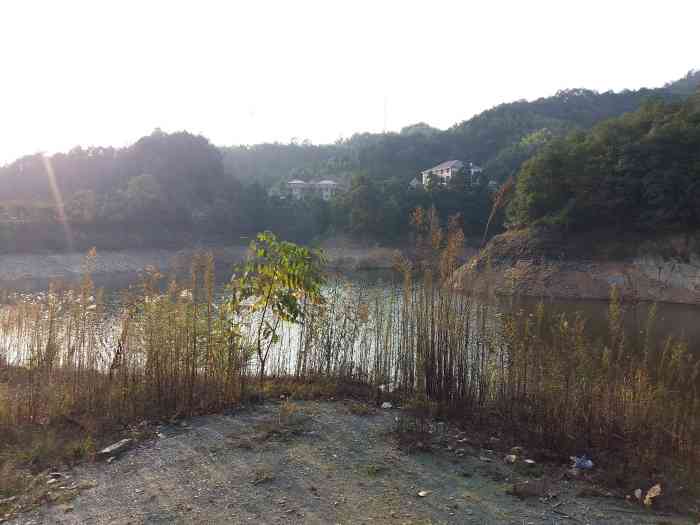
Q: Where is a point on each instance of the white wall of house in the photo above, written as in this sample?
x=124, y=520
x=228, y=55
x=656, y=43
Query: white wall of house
x=443, y=175
x=325, y=189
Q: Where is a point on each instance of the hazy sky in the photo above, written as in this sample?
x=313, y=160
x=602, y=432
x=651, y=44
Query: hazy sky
x=100, y=72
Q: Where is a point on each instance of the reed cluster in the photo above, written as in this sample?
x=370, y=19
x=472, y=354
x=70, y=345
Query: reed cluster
x=168, y=349
x=175, y=348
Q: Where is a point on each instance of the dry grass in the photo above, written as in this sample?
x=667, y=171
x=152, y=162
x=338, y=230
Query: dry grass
x=376, y=469
x=263, y=474
x=12, y=481
x=361, y=409
x=64, y=361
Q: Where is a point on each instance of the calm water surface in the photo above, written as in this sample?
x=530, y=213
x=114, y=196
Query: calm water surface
x=675, y=320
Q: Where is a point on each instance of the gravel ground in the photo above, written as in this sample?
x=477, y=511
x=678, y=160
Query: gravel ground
x=323, y=464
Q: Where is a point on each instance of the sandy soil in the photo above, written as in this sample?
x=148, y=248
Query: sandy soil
x=322, y=465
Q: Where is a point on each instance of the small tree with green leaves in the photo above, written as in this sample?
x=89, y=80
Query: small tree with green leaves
x=270, y=288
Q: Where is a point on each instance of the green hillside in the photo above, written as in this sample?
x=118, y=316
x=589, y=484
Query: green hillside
x=183, y=181
x=640, y=171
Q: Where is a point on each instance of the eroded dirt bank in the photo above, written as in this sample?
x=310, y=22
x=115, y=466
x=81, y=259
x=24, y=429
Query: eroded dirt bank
x=322, y=463
x=553, y=265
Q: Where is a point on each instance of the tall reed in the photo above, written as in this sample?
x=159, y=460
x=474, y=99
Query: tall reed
x=166, y=350
x=173, y=348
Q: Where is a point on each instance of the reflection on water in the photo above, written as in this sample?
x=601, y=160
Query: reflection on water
x=676, y=320
x=672, y=320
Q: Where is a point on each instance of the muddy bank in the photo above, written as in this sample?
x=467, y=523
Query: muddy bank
x=550, y=264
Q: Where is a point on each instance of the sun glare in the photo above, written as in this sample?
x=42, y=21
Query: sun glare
x=58, y=201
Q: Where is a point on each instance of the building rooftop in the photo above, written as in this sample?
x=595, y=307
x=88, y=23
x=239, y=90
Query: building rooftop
x=447, y=165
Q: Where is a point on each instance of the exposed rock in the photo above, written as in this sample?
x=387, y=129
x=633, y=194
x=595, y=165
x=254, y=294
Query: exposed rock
x=116, y=448
x=550, y=263
x=653, y=493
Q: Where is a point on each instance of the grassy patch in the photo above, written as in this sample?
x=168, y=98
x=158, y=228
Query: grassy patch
x=540, y=376
x=375, y=469
x=263, y=474
x=313, y=389
x=289, y=422
x=361, y=409
x=535, y=470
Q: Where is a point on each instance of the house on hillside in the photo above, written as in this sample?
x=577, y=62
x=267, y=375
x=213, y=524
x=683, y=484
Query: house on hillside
x=327, y=189
x=474, y=172
x=443, y=172
x=299, y=189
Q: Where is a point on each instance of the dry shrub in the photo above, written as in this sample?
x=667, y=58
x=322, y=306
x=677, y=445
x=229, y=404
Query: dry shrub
x=13, y=481
x=538, y=375
x=263, y=474
x=360, y=409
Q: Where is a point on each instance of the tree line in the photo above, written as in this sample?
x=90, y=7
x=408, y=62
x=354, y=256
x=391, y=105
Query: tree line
x=638, y=172
x=185, y=183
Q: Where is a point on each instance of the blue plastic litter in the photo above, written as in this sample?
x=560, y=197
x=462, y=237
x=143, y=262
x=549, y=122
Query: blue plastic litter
x=583, y=462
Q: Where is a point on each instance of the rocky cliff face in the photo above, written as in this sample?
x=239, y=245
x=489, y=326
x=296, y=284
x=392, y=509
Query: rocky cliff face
x=546, y=263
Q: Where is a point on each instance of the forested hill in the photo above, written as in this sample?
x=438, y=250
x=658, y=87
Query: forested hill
x=183, y=181
x=640, y=171
x=500, y=139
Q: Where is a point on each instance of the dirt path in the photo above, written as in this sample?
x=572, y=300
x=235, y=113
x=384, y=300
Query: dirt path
x=322, y=464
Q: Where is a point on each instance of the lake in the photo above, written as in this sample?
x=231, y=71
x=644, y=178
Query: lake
x=677, y=320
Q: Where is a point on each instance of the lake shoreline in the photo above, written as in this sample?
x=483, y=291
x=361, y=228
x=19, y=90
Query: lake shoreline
x=121, y=268
x=549, y=264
